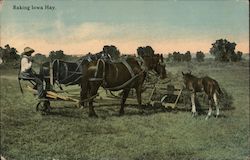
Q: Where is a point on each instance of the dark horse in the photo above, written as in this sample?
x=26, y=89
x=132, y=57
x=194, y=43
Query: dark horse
x=206, y=84
x=112, y=76
x=156, y=64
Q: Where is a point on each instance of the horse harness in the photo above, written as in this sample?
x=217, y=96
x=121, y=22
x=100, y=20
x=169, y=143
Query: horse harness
x=73, y=71
x=125, y=63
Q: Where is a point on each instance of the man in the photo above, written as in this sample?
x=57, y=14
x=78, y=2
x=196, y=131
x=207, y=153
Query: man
x=27, y=73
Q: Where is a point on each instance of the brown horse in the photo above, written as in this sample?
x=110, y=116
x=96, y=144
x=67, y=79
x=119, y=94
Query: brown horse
x=206, y=84
x=112, y=76
x=155, y=63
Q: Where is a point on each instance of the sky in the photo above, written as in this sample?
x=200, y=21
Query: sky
x=82, y=26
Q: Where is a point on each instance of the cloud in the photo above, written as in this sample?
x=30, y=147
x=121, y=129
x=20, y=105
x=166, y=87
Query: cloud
x=91, y=37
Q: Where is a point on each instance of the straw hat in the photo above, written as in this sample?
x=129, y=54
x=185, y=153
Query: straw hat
x=28, y=51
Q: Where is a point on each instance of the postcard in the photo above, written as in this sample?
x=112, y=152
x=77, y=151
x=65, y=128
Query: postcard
x=125, y=79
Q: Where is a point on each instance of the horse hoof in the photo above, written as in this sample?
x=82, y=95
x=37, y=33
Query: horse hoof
x=93, y=115
x=194, y=114
x=141, y=112
x=121, y=113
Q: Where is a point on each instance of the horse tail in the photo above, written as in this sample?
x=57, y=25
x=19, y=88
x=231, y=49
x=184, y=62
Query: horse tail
x=218, y=90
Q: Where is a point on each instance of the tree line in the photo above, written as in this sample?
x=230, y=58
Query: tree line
x=224, y=51
x=185, y=57
x=221, y=49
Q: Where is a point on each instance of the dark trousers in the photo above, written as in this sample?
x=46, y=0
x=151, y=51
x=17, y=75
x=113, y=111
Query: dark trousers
x=32, y=76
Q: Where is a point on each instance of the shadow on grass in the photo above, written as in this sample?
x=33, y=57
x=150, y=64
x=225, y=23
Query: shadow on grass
x=112, y=110
x=203, y=110
x=69, y=112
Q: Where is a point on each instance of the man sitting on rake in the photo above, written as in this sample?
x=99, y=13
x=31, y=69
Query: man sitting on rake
x=27, y=73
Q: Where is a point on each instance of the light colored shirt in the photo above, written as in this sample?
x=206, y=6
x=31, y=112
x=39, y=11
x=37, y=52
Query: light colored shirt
x=25, y=63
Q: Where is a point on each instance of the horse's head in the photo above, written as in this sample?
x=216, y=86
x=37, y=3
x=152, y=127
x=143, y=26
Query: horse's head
x=160, y=69
x=188, y=78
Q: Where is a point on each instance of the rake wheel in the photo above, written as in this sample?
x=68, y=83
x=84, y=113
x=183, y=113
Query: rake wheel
x=43, y=106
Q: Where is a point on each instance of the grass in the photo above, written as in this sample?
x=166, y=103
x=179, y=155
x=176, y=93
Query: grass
x=68, y=133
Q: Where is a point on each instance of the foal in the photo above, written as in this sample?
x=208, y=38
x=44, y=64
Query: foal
x=206, y=84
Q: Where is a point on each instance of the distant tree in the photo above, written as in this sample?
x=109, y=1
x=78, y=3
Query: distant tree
x=41, y=58
x=177, y=56
x=223, y=50
x=200, y=56
x=145, y=51
x=56, y=55
x=71, y=57
x=239, y=55
x=187, y=56
x=9, y=54
x=182, y=57
x=170, y=57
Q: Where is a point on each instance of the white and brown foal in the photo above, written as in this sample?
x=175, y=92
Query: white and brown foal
x=206, y=84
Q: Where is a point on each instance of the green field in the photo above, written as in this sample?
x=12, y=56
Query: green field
x=68, y=133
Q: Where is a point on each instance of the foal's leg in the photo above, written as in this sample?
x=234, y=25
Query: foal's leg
x=194, y=113
x=210, y=108
x=123, y=100
x=216, y=105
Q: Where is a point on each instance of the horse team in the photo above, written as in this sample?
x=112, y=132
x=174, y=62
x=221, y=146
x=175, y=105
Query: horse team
x=130, y=73
x=100, y=70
